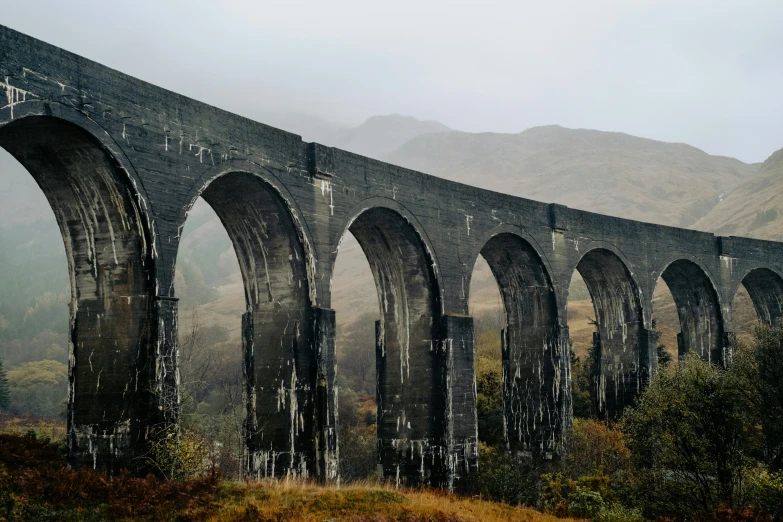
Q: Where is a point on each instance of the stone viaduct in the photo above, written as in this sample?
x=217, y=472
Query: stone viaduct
x=121, y=163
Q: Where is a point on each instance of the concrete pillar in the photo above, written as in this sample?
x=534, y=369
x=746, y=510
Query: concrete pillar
x=167, y=368
x=648, y=358
x=536, y=390
x=412, y=449
x=622, y=371
x=290, y=428
x=326, y=445
x=281, y=386
x=729, y=347
x=447, y=457
x=461, y=423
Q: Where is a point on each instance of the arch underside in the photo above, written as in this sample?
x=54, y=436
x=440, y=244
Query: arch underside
x=278, y=327
x=409, y=369
x=112, y=397
x=621, y=348
x=698, y=310
x=534, y=380
x=765, y=288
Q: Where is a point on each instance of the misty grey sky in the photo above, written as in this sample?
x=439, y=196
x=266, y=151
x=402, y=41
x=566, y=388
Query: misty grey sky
x=708, y=73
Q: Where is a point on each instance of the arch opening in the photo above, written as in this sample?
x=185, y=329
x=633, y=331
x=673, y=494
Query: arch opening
x=620, y=344
x=112, y=398
x=485, y=306
x=532, y=353
x=759, y=298
x=355, y=302
x=211, y=296
x=665, y=325
x=698, y=310
x=277, y=327
x=408, y=369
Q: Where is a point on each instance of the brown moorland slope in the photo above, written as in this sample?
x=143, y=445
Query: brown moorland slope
x=754, y=208
x=606, y=172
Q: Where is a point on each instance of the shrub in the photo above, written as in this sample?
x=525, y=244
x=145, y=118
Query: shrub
x=489, y=383
x=688, y=439
x=180, y=455
x=554, y=489
x=584, y=498
x=596, y=447
x=491, y=427
x=764, y=492
x=36, y=484
x=507, y=477
x=619, y=513
x=759, y=367
x=585, y=503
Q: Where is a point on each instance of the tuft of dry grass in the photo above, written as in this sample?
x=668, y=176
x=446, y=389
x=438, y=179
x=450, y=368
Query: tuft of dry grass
x=360, y=502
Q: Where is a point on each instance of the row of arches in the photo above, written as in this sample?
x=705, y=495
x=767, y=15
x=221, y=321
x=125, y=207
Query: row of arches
x=288, y=342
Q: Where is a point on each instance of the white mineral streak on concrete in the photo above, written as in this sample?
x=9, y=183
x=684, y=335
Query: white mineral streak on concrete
x=14, y=95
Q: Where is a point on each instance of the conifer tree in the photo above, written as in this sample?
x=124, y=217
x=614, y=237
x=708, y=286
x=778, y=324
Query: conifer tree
x=4, y=392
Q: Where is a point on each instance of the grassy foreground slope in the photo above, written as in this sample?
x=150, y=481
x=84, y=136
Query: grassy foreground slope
x=35, y=484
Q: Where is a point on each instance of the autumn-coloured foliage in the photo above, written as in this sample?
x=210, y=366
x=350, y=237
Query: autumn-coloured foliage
x=36, y=484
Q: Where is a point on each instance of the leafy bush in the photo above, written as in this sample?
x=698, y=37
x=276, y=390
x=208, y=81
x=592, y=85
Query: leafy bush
x=619, y=513
x=507, y=477
x=489, y=385
x=585, y=503
x=690, y=446
x=554, y=492
x=759, y=367
x=764, y=492
x=588, y=497
x=596, y=447
x=357, y=436
x=180, y=455
x=490, y=427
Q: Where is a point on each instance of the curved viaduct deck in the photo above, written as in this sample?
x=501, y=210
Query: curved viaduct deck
x=122, y=161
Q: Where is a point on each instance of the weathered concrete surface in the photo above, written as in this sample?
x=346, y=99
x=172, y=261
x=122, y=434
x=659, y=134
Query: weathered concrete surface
x=122, y=162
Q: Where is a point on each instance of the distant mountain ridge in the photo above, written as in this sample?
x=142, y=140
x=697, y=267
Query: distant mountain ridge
x=380, y=135
x=606, y=172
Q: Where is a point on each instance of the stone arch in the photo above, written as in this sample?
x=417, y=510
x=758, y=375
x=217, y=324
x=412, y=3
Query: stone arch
x=698, y=308
x=765, y=287
x=117, y=386
x=534, y=356
x=278, y=328
x=621, y=358
x=409, y=367
x=271, y=183
x=406, y=217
